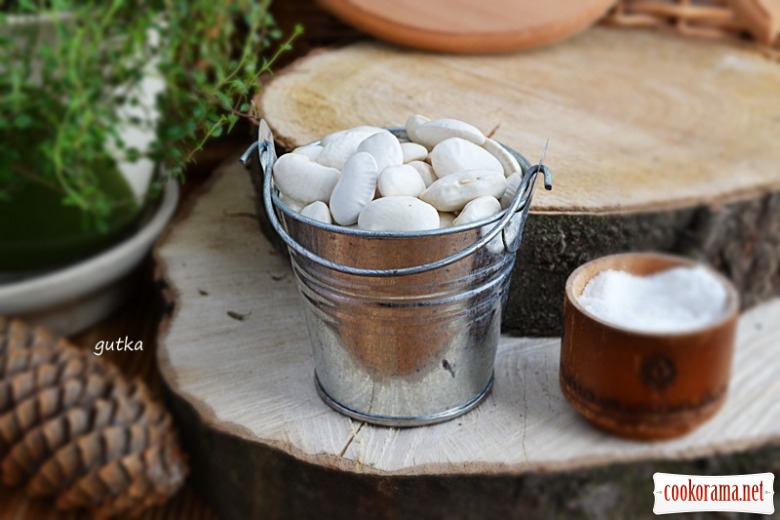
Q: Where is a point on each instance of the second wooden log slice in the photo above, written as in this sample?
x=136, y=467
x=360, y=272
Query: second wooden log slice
x=657, y=142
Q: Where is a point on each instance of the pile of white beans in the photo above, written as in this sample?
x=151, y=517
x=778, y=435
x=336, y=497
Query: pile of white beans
x=447, y=174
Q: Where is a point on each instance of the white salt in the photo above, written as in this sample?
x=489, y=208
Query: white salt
x=677, y=300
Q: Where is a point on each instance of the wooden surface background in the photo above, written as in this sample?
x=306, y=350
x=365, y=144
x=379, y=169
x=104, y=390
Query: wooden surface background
x=140, y=317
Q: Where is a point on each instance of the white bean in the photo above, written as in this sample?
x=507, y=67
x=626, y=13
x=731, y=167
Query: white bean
x=425, y=170
x=364, y=129
x=401, y=180
x=300, y=178
x=414, y=152
x=507, y=160
x=398, y=214
x=291, y=203
x=446, y=219
x=318, y=210
x=512, y=184
x=455, y=155
x=477, y=209
x=433, y=132
x=355, y=189
x=453, y=192
x=385, y=149
x=412, y=123
x=312, y=151
x=337, y=151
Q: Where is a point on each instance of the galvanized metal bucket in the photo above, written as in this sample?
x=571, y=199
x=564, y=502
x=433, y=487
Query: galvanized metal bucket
x=404, y=326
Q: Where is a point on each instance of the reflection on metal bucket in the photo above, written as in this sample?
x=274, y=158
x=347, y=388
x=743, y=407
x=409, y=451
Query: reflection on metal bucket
x=404, y=326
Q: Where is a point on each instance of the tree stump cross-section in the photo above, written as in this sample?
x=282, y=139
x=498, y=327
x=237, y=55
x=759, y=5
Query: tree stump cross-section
x=237, y=367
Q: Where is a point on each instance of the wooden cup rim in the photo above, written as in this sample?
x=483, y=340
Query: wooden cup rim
x=668, y=261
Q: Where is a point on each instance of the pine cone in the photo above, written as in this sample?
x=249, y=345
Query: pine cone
x=73, y=428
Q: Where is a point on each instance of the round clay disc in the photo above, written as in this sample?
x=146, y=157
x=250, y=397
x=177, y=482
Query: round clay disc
x=470, y=26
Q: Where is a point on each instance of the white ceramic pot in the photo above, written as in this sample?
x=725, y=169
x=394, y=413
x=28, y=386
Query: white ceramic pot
x=73, y=298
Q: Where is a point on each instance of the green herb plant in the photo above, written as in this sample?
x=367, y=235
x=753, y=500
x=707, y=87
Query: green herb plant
x=61, y=84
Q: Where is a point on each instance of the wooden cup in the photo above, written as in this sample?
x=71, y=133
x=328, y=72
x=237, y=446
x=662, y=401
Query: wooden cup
x=637, y=384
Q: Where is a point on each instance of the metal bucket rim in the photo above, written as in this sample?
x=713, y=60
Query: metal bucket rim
x=366, y=233
x=398, y=131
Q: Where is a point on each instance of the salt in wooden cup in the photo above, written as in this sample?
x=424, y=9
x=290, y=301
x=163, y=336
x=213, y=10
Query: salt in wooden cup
x=637, y=384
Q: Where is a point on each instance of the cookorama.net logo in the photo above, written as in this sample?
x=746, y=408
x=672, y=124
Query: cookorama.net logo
x=734, y=493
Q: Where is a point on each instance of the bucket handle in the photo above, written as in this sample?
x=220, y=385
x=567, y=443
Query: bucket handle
x=521, y=203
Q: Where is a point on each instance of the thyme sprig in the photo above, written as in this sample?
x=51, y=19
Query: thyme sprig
x=63, y=79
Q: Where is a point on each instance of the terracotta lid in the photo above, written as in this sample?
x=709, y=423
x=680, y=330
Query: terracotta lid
x=469, y=26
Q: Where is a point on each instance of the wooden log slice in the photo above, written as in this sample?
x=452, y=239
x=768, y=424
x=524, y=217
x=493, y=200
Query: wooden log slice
x=657, y=142
x=237, y=366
